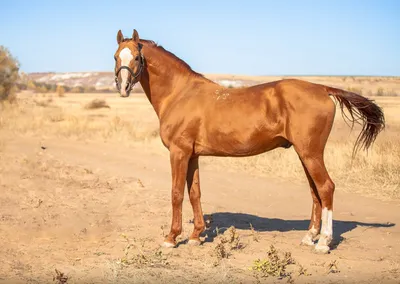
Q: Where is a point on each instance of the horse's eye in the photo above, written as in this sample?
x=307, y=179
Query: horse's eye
x=115, y=58
x=137, y=58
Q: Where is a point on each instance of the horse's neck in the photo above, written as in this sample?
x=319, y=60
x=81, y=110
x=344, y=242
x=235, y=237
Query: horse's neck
x=163, y=79
x=157, y=79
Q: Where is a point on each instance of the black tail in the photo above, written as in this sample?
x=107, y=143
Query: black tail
x=362, y=111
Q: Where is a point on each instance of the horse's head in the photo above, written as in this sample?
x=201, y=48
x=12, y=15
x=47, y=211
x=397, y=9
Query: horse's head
x=128, y=63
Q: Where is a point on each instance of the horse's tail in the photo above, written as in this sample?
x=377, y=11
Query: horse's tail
x=362, y=111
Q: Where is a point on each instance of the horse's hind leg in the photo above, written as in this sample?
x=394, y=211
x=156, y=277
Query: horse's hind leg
x=309, y=134
x=315, y=220
x=325, y=188
x=193, y=184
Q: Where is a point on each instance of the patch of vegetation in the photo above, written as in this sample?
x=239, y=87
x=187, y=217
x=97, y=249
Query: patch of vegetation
x=60, y=91
x=60, y=277
x=227, y=242
x=388, y=93
x=302, y=271
x=96, y=103
x=9, y=67
x=332, y=267
x=139, y=258
x=254, y=233
x=274, y=265
x=221, y=252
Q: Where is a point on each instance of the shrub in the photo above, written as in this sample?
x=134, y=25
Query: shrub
x=355, y=90
x=9, y=67
x=380, y=92
x=96, y=103
x=60, y=91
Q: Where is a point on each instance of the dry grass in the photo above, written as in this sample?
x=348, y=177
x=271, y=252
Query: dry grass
x=33, y=119
x=138, y=256
x=43, y=103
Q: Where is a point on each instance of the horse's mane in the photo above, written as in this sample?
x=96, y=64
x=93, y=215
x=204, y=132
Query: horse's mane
x=179, y=61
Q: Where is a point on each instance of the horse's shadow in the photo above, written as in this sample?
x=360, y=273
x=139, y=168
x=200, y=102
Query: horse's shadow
x=218, y=223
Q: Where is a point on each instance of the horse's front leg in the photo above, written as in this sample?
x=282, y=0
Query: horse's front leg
x=193, y=184
x=179, y=166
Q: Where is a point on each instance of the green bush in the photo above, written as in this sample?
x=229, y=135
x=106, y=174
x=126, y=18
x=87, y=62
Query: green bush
x=9, y=67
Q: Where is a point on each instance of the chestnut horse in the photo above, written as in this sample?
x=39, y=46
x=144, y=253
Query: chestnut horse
x=199, y=117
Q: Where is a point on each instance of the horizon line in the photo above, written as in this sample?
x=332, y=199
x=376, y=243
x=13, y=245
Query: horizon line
x=231, y=74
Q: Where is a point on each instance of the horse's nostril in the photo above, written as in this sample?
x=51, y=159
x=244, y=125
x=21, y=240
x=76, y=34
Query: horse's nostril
x=127, y=86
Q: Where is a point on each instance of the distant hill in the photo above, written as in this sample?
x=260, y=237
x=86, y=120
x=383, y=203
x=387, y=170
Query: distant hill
x=98, y=80
x=104, y=81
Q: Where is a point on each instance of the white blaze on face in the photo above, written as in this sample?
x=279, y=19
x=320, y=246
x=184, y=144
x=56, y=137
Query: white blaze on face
x=327, y=222
x=126, y=57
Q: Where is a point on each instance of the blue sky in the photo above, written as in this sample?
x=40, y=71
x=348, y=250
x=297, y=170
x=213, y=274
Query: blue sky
x=337, y=37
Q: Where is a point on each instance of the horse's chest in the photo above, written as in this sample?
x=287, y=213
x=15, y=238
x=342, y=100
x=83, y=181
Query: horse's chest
x=180, y=134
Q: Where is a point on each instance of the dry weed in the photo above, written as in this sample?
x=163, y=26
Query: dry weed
x=140, y=183
x=141, y=258
x=274, y=265
x=254, y=234
x=220, y=252
x=96, y=103
x=302, y=271
x=60, y=277
x=332, y=267
x=226, y=243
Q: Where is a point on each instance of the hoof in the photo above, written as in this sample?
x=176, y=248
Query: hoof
x=307, y=241
x=194, y=242
x=321, y=249
x=168, y=245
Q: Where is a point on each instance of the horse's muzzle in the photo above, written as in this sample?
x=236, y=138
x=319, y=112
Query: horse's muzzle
x=125, y=92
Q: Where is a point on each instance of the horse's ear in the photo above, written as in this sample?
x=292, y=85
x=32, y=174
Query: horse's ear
x=135, y=36
x=120, y=37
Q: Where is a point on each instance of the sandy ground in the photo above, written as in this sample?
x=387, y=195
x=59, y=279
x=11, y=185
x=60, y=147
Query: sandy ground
x=97, y=211
x=68, y=207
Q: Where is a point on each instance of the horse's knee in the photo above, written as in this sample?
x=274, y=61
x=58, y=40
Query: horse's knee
x=177, y=197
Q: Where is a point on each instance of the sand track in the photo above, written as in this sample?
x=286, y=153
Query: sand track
x=76, y=206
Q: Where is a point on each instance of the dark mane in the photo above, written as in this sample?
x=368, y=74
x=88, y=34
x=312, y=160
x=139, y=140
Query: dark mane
x=171, y=55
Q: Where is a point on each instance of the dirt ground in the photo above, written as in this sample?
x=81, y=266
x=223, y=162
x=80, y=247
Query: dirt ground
x=96, y=210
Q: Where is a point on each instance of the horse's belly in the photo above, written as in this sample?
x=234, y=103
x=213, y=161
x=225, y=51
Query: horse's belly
x=238, y=144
